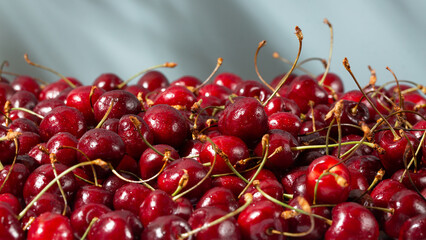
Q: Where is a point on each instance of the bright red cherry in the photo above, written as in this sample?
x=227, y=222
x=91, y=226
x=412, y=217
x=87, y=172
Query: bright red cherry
x=50, y=226
x=176, y=95
x=108, y=81
x=304, y=89
x=227, y=79
x=153, y=80
x=125, y=103
x=81, y=99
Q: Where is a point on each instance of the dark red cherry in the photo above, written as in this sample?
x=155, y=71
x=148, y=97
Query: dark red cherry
x=362, y=150
x=6, y=91
x=23, y=125
x=395, y=150
x=332, y=81
x=81, y=217
x=150, y=162
x=227, y=79
x=92, y=194
x=384, y=191
x=285, y=121
x=130, y=196
x=44, y=107
x=23, y=99
x=176, y=95
x=227, y=229
x=418, y=178
x=245, y=118
x=184, y=208
x=26, y=141
x=304, y=89
x=12, y=201
x=108, y=81
x=187, y=81
x=191, y=149
x=351, y=219
x=219, y=197
x=257, y=220
x=120, y=224
x=103, y=144
x=288, y=179
x=158, y=203
x=40, y=153
x=214, y=90
x=283, y=159
x=277, y=79
x=15, y=179
x=16, y=114
x=111, y=124
x=42, y=176
x=234, y=148
x=368, y=165
x=26, y=83
x=7, y=147
x=406, y=204
x=281, y=104
x=57, y=144
x=48, y=202
x=62, y=119
x=233, y=183
x=53, y=90
x=50, y=226
x=270, y=186
x=169, y=179
x=112, y=183
x=125, y=103
x=136, y=89
x=252, y=89
x=168, y=125
x=153, y=80
x=166, y=228
x=81, y=99
x=333, y=186
x=10, y=227
x=414, y=228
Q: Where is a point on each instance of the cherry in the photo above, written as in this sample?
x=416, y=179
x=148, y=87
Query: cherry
x=108, y=81
x=214, y=90
x=330, y=180
x=12, y=201
x=351, y=219
x=136, y=89
x=227, y=79
x=92, y=194
x=304, y=89
x=418, y=178
x=53, y=90
x=191, y=149
x=277, y=79
x=168, y=125
x=283, y=159
x=233, y=183
x=23, y=99
x=384, y=191
x=133, y=136
x=40, y=154
x=111, y=124
x=184, y=208
x=16, y=114
x=62, y=119
x=166, y=228
x=82, y=98
x=10, y=228
x=44, y=107
x=395, y=150
x=153, y=80
x=368, y=165
x=26, y=83
x=176, y=95
x=125, y=103
x=42, y=175
x=130, y=196
x=252, y=89
x=16, y=177
x=169, y=179
x=187, y=81
x=50, y=226
x=158, y=203
x=82, y=216
x=7, y=147
x=218, y=197
x=245, y=118
x=227, y=229
x=282, y=104
x=413, y=228
x=26, y=141
x=332, y=81
x=112, y=183
x=406, y=204
x=120, y=224
x=285, y=121
x=234, y=149
x=63, y=155
x=270, y=186
x=150, y=162
x=23, y=125
x=362, y=150
x=128, y=164
x=257, y=220
x=47, y=202
x=289, y=178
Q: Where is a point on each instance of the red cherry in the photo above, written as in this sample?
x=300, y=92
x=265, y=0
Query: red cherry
x=158, y=203
x=81, y=99
x=125, y=103
x=26, y=83
x=82, y=216
x=44, y=107
x=214, y=90
x=176, y=95
x=108, y=81
x=120, y=224
x=282, y=104
x=150, y=162
x=332, y=81
x=384, y=191
x=332, y=188
x=285, y=121
x=50, y=226
x=166, y=228
x=23, y=99
x=304, y=89
x=12, y=201
x=23, y=125
x=153, y=80
x=187, y=81
x=227, y=79
x=26, y=141
x=10, y=227
x=252, y=89
x=414, y=228
x=92, y=194
x=130, y=196
x=218, y=197
x=233, y=183
x=63, y=155
x=7, y=147
x=351, y=219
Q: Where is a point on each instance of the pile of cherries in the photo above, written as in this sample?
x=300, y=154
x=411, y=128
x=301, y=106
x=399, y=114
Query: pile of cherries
x=298, y=158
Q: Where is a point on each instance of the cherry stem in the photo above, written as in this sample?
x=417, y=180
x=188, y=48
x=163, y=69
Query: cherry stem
x=372, y=145
x=92, y=91
x=72, y=85
x=277, y=55
x=28, y=111
x=265, y=149
x=348, y=68
x=414, y=156
x=261, y=44
x=377, y=179
x=95, y=219
x=321, y=82
x=327, y=139
x=340, y=181
x=218, y=64
x=183, y=181
x=283, y=80
x=166, y=64
x=105, y=117
x=248, y=200
x=401, y=97
x=51, y=183
x=53, y=159
x=143, y=182
x=285, y=205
